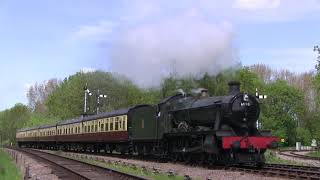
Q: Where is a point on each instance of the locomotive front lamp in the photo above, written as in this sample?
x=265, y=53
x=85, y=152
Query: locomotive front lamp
x=103, y=96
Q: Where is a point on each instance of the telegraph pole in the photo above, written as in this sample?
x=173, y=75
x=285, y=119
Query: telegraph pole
x=98, y=99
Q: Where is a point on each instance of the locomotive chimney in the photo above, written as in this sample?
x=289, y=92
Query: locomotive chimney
x=234, y=87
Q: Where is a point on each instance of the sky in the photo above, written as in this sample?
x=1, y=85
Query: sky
x=43, y=39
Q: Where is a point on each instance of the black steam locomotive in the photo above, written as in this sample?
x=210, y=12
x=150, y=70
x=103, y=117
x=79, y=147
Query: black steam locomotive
x=192, y=128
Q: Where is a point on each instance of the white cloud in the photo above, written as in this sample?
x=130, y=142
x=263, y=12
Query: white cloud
x=98, y=31
x=256, y=4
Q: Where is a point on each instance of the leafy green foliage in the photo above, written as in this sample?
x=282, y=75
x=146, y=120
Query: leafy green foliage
x=283, y=110
x=67, y=100
x=38, y=119
x=249, y=80
x=304, y=136
x=11, y=120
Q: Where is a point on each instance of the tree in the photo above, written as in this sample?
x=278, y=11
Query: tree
x=38, y=93
x=283, y=110
x=67, y=100
x=263, y=71
x=11, y=120
x=249, y=80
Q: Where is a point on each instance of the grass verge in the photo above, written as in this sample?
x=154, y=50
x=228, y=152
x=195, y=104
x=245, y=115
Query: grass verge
x=271, y=157
x=314, y=154
x=8, y=171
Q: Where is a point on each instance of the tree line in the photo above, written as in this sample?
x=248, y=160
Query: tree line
x=290, y=111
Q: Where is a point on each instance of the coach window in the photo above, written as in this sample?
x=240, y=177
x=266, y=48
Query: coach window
x=105, y=122
x=85, y=129
x=108, y=124
x=116, y=124
x=96, y=127
x=120, y=123
x=102, y=127
x=111, y=123
x=92, y=128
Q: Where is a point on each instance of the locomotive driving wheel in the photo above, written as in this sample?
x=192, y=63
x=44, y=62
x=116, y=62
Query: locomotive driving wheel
x=187, y=158
x=175, y=157
x=202, y=160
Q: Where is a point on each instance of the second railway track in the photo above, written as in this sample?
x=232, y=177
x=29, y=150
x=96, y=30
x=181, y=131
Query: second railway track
x=66, y=168
x=294, y=154
x=272, y=170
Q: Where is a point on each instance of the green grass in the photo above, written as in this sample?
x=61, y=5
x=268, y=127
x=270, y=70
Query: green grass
x=8, y=171
x=314, y=154
x=272, y=158
x=138, y=171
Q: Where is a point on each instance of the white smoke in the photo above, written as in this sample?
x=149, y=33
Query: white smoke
x=184, y=45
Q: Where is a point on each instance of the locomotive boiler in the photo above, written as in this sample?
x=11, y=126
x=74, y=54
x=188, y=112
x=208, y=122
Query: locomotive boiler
x=236, y=111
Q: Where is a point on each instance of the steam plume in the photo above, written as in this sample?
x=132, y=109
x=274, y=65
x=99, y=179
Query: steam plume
x=185, y=46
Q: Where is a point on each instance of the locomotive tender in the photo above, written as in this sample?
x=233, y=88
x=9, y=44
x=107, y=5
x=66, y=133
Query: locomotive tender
x=202, y=129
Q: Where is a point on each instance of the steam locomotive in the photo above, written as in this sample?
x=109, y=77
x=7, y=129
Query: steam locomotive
x=191, y=128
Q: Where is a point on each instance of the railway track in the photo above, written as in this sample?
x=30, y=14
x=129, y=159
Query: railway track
x=70, y=169
x=293, y=154
x=272, y=170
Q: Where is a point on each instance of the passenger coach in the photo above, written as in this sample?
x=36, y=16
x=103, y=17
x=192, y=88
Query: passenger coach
x=120, y=130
